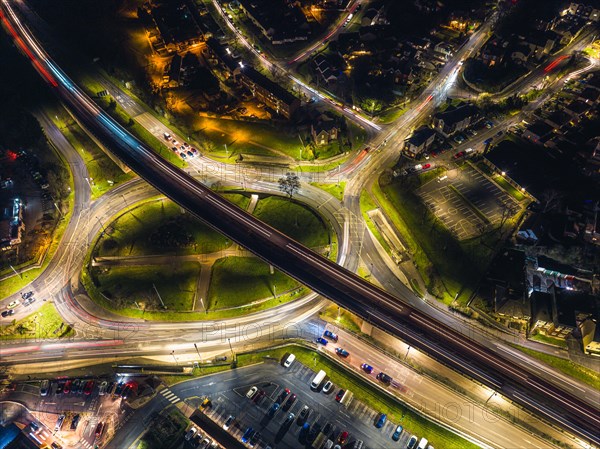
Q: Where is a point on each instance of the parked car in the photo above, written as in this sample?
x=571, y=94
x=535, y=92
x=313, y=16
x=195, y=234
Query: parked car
x=304, y=413
x=380, y=421
x=103, y=387
x=397, y=433
x=254, y=439
x=367, y=368
x=80, y=386
x=228, y=422
x=321, y=341
x=327, y=387
x=59, y=422
x=343, y=438
x=342, y=352
x=273, y=409
x=289, y=402
x=340, y=395
x=190, y=434
x=251, y=392
x=259, y=396
x=330, y=335
x=412, y=443
x=13, y=304
x=55, y=445
x=284, y=394
x=89, y=387
x=247, y=434
x=459, y=155
x=44, y=387
x=289, y=360
x=289, y=419
x=75, y=421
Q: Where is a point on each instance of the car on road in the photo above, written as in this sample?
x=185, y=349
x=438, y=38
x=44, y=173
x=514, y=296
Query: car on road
x=190, y=433
x=127, y=391
x=59, y=422
x=205, y=443
x=273, y=409
x=228, y=422
x=499, y=133
x=384, y=378
x=247, y=434
x=251, y=392
x=55, y=445
x=89, y=387
x=34, y=426
x=321, y=341
x=459, y=139
x=426, y=167
x=289, y=402
x=118, y=389
x=99, y=429
x=459, y=155
x=44, y=387
x=167, y=136
x=367, y=368
x=75, y=421
x=343, y=438
x=183, y=155
x=489, y=124
x=6, y=313
x=412, y=443
x=13, y=304
x=380, y=421
x=397, y=433
x=26, y=295
x=331, y=336
x=340, y=395
x=28, y=301
x=327, y=387
x=342, y=352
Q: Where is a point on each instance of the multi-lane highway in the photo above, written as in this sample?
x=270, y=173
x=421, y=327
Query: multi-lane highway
x=322, y=275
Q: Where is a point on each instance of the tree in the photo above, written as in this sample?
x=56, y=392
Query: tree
x=289, y=184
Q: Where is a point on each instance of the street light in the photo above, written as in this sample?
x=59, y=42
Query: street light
x=173, y=354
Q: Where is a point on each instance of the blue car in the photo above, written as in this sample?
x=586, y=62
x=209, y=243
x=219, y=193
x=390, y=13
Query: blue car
x=247, y=434
x=273, y=409
x=397, y=433
x=367, y=368
x=321, y=341
x=381, y=420
x=331, y=335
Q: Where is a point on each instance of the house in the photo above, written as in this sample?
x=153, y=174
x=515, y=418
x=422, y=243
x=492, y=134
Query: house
x=420, y=141
x=455, y=118
x=591, y=337
x=11, y=224
x=443, y=48
x=173, y=73
x=324, y=132
x=222, y=57
x=537, y=131
x=576, y=108
x=566, y=29
x=541, y=43
x=506, y=275
x=589, y=95
x=269, y=92
x=521, y=54
x=586, y=12
x=281, y=22
x=494, y=51
x=324, y=70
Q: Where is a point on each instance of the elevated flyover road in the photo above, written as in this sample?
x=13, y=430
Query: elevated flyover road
x=323, y=276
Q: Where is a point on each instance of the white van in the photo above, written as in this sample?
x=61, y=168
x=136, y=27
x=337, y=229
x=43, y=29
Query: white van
x=318, y=379
x=423, y=443
x=289, y=360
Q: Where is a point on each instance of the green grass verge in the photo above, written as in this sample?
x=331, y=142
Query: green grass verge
x=568, y=367
x=45, y=323
x=293, y=219
x=341, y=317
x=176, y=284
x=391, y=115
x=100, y=167
x=158, y=226
x=367, y=204
x=446, y=265
x=337, y=190
x=549, y=340
x=415, y=287
x=510, y=189
x=237, y=281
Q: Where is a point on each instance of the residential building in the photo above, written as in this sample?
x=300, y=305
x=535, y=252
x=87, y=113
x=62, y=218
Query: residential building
x=541, y=43
x=584, y=11
x=420, y=141
x=537, y=131
x=223, y=57
x=455, y=119
x=11, y=224
x=269, y=92
x=279, y=21
x=324, y=132
x=591, y=337
x=172, y=73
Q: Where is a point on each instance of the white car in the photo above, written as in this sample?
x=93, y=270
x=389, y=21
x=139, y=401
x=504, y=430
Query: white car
x=190, y=434
x=251, y=392
x=289, y=360
x=13, y=304
x=103, y=387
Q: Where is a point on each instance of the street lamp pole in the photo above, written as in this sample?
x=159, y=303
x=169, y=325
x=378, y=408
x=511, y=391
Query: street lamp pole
x=173, y=354
x=230, y=348
x=407, y=351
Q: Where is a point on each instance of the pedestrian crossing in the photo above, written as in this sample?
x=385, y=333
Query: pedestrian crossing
x=170, y=396
x=84, y=444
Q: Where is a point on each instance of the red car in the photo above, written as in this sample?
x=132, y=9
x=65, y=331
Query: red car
x=89, y=387
x=343, y=437
x=426, y=166
x=339, y=395
x=99, y=429
x=67, y=388
x=459, y=154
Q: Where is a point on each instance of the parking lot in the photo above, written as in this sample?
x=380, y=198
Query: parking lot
x=457, y=199
x=354, y=417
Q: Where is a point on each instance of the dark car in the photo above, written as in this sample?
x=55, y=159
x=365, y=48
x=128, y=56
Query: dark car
x=321, y=341
x=303, y=415
x=412, y=443
x=55, y=445
x=75, y=421
x=289, y=402
x=459, y=154
x=289, y=419
x=88, y=388
x=247, y=434
x=81, y=386
x=314, y=431
x=340, y=395
x=384, y=378
x=126, y=393
x=343, y=438
x=75, y=386
x=342, y=352
x=67, y=387
x=330, y=335
x=99, y=429
x=367, y=368
x=380, y=421
x=119, y=389
x=254, y=439
x=8, y=312
x=284, y=394
x=60, y=388
x=397, y=433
